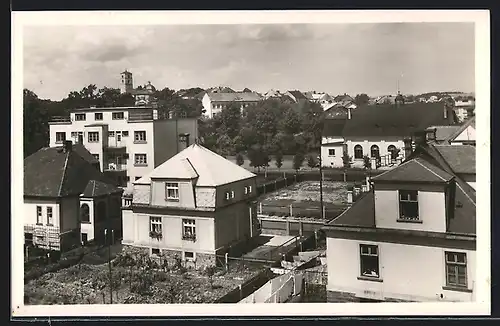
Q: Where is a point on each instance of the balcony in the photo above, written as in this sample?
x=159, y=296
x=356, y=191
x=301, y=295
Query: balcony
x=116, y=145
x=114, y=167
x=60, y=120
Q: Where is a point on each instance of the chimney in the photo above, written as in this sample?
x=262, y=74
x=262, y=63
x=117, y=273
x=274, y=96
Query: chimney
x=420, y=138
x=407, y=147
x=349, y=114
x=431, y=134
x=448, y=113
x=68, y=146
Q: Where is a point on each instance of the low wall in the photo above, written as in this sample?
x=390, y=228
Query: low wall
x=247, y=288
x=276, y=290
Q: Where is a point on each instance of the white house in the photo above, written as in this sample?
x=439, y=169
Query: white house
x=196, y=205
x=128, y=142
x=377, y=131
x=412, y=237
x=67, y=200
x=214, y=102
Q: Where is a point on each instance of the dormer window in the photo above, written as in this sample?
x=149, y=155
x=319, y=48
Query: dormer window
x=408, y=206
x=172, y=191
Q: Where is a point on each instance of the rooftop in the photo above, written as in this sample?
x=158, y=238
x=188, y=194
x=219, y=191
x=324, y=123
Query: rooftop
x=235, y=97
x=392, y=120
x=64, y=173
x=197, y=162
x=460, y=158
x=417, y=170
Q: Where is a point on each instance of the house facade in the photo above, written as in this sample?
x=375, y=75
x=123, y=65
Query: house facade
x=53, y=200
x=214, y=102
x=377, y=131
x=128, y=142
x=196, y=205
x=417, y=214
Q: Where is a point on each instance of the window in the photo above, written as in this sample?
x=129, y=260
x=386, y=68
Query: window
x=155, y=251
x=456, y=269
x=391, y=149
x=85, y=213
x=93, y=136
x=172, y=191
x=140, y=159
x=96, y=156
x=39, y=215
x=232, y=194
x=358, y=152
x=248, y=190
x=369, y=261
x=331, y=152
x=155, y=224
x=374, y=151
x=98, y=116
x=227, y=195
x=80, y=117
x=188, y=229
x=408, y=205
x=85, y=238
x=111, y=133
x=125, y=133
x=139, y=137
x=50, y=220
x=189, y=255
x=117, y=116
x=60, y=137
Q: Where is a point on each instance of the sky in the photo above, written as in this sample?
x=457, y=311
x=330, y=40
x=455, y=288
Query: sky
x=332, y=58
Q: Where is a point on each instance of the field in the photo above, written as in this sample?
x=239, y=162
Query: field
x=304, y=197
x=308, y=191
x=135, y=280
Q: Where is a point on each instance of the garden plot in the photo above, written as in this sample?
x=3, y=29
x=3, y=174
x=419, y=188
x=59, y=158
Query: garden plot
x=308, y=191
x=134, y=283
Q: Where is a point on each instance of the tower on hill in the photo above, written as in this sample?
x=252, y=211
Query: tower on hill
x=126, y=82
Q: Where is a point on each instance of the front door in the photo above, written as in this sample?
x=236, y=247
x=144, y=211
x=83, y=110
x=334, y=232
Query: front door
x=84, y=238
x=80, y=137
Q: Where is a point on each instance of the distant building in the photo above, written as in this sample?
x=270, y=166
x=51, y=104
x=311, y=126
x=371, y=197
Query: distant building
x=195, y=205
x=67, y=200
x=297, y=96
x=378, y=131
x=464, y=134
x=128, y=142
x=215, y=102
x=144, y=95
x=419, y=216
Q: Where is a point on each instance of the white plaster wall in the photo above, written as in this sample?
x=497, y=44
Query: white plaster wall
x=414, y=273
x=30, y=211
x=431, y=206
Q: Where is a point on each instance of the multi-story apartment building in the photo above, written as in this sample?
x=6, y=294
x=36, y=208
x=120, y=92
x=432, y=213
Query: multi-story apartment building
x=412, y=237
x=195, y=205
x=128, y=142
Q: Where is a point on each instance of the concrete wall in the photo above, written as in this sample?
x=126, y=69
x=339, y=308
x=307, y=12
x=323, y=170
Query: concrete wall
x=186, y=194
x=408, y=272
x=239, y=192
x=232, y=224
x=30, y=213
x=88, y=228
x=469, y=134
x=136, y=228
x=70, y=214
x=431, y=206
x=367, y=142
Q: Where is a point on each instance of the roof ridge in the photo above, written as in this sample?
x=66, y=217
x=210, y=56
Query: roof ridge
x=353, y=204
x=383, y=173
x=93, y=188
x=192, y=166
x=465, y=193
x=64, y=173
x=461, y=128
x=425, y=167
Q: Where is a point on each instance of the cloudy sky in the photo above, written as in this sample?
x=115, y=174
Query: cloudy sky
x=335, y=58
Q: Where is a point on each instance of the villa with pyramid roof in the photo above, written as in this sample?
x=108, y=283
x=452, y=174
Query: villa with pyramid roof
x=195, y=205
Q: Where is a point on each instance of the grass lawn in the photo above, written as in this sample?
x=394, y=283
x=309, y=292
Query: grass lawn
x=89, y=284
